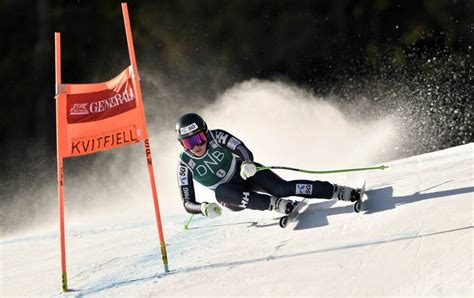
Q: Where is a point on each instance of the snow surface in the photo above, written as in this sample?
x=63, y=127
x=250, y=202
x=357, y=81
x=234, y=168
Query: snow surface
x=416, y=239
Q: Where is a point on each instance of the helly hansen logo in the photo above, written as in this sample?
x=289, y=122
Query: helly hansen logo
x=245, y=200
x=304, y=189
x=221, y=137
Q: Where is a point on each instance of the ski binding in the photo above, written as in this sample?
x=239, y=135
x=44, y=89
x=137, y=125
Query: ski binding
x=358, y=205
x=294, y=214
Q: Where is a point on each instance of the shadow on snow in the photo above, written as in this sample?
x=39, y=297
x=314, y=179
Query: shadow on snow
x=316, y=215
x=378, y=200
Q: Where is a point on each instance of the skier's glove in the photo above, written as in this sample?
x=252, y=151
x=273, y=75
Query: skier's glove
x=247, y=169
x=211, y=210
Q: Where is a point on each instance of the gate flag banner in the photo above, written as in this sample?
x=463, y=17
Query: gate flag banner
x=100, y=116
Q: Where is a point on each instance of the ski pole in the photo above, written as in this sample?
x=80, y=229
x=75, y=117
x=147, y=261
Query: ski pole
x=263, y=168
x=186, y=225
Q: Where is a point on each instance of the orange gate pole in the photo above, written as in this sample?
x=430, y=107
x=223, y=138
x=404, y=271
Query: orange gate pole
x=57, y=45
x=136, y=79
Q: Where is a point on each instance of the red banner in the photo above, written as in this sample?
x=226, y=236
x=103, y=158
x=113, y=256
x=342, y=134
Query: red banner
x=101, y=116
x=102, y=104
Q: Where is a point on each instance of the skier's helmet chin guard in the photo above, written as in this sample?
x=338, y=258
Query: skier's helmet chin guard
x=191, y=130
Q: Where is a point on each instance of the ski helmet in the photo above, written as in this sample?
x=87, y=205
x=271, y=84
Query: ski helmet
x=189, y=125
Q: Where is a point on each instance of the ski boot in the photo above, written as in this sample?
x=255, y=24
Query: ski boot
x=282, y=205
x=289, y=209
x=349, y=194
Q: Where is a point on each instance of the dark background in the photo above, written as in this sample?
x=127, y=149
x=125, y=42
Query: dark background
x=398, y=55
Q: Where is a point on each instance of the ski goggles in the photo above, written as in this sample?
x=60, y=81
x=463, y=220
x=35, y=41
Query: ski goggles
x=195, y=140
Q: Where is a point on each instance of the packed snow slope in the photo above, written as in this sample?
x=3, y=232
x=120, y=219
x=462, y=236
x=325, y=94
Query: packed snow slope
x=415, y=239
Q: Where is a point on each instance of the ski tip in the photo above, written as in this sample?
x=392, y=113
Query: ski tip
x=383, y=167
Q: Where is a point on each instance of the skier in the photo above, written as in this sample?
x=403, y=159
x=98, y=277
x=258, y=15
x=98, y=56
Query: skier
x=221, y=162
